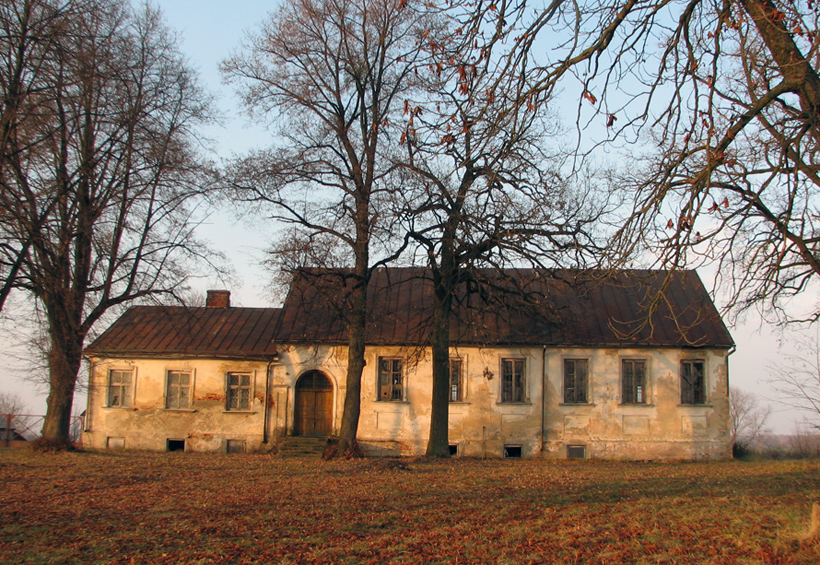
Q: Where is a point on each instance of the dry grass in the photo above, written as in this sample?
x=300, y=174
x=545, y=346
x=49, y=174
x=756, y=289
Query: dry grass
x=197, y=508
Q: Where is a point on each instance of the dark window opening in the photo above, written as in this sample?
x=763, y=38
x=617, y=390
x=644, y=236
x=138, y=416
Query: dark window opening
x=576, y=373
x=513, y=382
x=576, y=452
x=456, y=394
x=512, y=451
x=236, y=446
x=633, y=381
x=176, y=445
x=693, y=382
x=453, y=449
x=391, y=383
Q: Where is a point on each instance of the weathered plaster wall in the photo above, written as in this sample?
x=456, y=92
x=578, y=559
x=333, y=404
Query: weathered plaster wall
x=148, y=425
x=661, y=428
x=480, y=425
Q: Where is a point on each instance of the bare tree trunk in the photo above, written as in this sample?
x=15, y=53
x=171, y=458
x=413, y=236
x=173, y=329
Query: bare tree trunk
x=64, y=365
x=355, y=367
x=347, y=445
x=439, y=444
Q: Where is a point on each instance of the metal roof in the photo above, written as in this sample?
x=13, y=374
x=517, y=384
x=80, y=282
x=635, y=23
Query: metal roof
x=161, y=331
x=513, y=307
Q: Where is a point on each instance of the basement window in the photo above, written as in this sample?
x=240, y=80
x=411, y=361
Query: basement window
x=512, y=451
x=115, y=442
x=453, y=449
x=175, y=445
x=576, y=452
x=236, y=446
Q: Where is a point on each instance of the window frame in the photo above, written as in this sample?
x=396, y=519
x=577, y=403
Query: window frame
x=131, y=387
x=703, y=388
x=228, y=388
x=401, y=387
x=522, y=388
x=458, y=387
x=191, y=375
x=587, y=393
x=644, y=391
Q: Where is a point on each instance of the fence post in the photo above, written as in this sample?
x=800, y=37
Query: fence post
x=8, y=430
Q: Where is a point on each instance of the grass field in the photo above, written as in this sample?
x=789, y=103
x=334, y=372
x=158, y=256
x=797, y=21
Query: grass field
x=203, y=508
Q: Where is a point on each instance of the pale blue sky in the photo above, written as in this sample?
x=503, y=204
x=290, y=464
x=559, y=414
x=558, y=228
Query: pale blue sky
x=210, y=30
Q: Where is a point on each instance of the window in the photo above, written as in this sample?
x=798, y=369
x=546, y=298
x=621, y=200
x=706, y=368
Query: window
x=692, y=382
x=239, y=391
x=235, y=446
x=512, y=452
x=576, y=373
x=576, y=452
x=391, y=382
x=120, y=388
x=456, y=394
x=178, y=390
x=175, y=445
x=633, y=381
x=512, y=380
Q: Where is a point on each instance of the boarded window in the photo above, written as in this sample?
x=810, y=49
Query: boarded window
x=178, y=390
x=512, y=380
x=456, y=382
x=112, y=442
x=576, y=379
x=236, y=446
x=633, y=381
x=692, y=382
x=576, y=452
x=239, y=391
x=391, y=381
x=120, y=388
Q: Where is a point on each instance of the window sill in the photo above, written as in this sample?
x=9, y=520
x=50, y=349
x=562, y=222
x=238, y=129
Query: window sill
x=125, y=408
x=239, y=412
x=695, y=405
x=576, y=404
x=388, y=402
x=179, y=410
x=514, y=403
x=646, y=404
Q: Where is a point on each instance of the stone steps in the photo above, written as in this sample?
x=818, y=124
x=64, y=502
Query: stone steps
x=299, y=446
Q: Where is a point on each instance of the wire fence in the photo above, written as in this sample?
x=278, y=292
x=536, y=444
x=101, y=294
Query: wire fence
x=18, y=430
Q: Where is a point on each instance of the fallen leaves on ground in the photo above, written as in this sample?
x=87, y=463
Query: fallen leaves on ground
x=169, y=508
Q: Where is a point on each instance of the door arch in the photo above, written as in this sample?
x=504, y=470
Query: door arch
x=314, y=405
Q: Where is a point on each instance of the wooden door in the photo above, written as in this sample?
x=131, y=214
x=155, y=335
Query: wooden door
x=314, y=405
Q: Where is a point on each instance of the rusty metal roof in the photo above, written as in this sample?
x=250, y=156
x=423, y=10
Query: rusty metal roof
x=516, y=307
x=162, y=331
x=513, y=307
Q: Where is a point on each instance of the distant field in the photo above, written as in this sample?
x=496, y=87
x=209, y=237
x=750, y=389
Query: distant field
x=196, y=508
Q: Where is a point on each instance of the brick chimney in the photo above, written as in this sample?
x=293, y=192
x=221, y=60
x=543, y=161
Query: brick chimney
x=218, y=299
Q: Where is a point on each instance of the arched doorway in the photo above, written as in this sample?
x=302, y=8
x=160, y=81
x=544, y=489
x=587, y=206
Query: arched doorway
x=314, y=405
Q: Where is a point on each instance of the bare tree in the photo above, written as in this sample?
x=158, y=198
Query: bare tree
x=332, y=74
x=796, y=380
x=13, y=414
x=11, y=403
x=747, y=416
x=481, y=188
x=718, y=103
x=98, y=169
